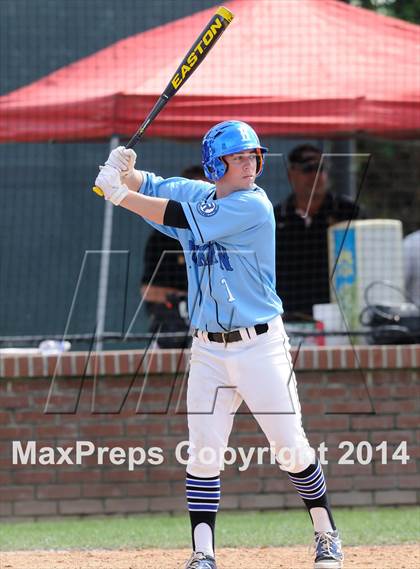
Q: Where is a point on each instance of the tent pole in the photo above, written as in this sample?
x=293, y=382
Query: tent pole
x=343, y=172
x=352, y=168
x=104, y=267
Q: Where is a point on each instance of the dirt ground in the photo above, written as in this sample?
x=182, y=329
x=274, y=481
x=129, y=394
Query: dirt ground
x=367, y=557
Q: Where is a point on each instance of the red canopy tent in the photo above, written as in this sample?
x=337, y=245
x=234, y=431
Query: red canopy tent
x=307, y=67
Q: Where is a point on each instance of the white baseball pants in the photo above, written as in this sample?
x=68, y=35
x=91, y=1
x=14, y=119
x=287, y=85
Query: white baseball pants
x=257, y=370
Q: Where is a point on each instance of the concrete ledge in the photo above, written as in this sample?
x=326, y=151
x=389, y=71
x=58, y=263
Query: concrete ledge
x=125, y=362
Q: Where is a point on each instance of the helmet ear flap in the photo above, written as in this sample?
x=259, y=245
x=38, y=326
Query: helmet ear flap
x=215, y=168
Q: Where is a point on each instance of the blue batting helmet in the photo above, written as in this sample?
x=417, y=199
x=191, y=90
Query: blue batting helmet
x=228, y=137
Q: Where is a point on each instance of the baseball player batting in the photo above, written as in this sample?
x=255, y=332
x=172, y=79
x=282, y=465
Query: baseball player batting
x=240, y=350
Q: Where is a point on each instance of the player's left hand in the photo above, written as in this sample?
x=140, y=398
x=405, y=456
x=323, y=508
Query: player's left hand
x=109, y=181
x=123, y=159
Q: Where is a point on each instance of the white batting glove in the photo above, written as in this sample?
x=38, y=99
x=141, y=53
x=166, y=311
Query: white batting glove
x=109, y=181
x=123, y=159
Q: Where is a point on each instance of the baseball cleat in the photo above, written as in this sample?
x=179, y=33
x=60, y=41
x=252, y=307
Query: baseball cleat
x=200, y=561
x=328, y=554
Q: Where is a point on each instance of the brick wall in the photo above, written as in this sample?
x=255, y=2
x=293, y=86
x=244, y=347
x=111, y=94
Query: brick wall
x=362, y=394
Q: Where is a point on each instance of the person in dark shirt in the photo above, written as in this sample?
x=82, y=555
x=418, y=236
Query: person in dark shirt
x=165, y=289
x=302, y=232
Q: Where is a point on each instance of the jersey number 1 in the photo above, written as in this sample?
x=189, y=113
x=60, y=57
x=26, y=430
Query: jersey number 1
x=231, y=298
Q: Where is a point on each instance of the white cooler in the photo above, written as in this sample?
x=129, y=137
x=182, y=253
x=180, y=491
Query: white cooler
x=369, y=251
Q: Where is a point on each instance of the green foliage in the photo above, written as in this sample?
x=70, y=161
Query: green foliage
x=404, y=9
x=251, y=529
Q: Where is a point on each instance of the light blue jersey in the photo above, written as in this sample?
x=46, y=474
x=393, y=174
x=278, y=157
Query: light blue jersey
x=229, y=252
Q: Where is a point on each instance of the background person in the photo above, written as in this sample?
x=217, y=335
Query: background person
x=302, y=232
x=165, y=289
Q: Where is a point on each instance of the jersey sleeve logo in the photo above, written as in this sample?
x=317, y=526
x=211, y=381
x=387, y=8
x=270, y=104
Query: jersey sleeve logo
x=207, y=209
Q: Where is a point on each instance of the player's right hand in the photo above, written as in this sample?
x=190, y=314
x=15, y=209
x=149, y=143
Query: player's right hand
x=122, y=159
x=108, y=180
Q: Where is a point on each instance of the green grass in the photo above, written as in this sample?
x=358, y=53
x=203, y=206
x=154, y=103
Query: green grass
x=251, y=529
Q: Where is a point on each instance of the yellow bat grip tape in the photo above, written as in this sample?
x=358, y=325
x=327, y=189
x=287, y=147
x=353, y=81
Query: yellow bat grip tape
x=98, y=191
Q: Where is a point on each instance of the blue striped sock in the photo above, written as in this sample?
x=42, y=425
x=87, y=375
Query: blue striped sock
x=311, y=487
x=310, y=484
x=203, y=497
x=203, y=494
